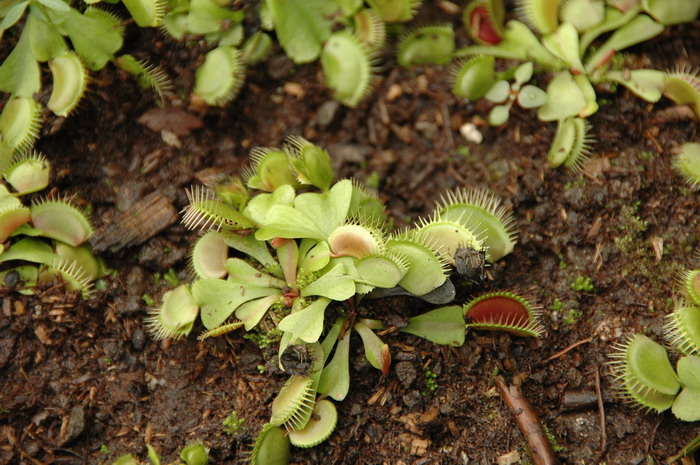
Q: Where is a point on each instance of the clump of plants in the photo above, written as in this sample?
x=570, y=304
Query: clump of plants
x=559, y=37
x=285, y=243
x=51, y=233
x=73, y=43
x=643, y=371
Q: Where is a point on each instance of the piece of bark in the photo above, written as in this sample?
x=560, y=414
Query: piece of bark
x=528, y=423
x=146, y=218
x=578, y=400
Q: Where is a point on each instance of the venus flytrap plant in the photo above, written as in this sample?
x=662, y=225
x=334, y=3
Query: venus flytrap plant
x=303, y=244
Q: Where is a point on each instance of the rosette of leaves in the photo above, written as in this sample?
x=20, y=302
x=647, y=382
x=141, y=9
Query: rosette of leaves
x=51, y=233
x=505, y=95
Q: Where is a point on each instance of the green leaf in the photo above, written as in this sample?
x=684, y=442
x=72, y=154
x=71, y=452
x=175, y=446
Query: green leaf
x=427, y=45
x=95, y=41
x=444, y=325
x=380, y=271
x=523, y=73
x=499, y=92
x=57, y=5
x=146, y=13
x=331, y=337
x=313, y=216
x=307, y=323
x=12, y=15
x=614, y=19
x=589, y=95
x=240, y=272
x=645, y=83
x=250, y=313
x=45, y=40
x=532, y=97
x=688, y=370
x=686, y=406
x=311, y=164
x=499, y=115
x=19, y=73
x=376, y=351
x=258, y=207
x=334, y=284
x=254, y=248
x=425, y=271
x=218, y=299
x=583, y=14
x=288, y=258
x=315, y=259
x=638, y=30
x=301, y=26
x=288, y=223
x=335, y=379
x=30, y=250
x=565, y=45
x=565, y=98
x=672, y=11
x=519, y=43
x=328, y=210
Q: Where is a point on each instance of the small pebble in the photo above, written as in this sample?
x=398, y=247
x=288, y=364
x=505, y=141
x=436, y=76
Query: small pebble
x=138, y=340
x=406, y=373
x=471, y=133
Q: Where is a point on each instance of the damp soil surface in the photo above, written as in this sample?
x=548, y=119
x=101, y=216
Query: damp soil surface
x=83, y=382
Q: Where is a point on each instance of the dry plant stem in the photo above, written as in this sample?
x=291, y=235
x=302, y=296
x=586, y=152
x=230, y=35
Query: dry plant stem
x=528, y=422
x=601, y=413
x=571, y=347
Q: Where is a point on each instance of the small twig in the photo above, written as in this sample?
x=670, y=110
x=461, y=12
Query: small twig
x=571, y=347
x=601, y=414
x=528, y=422
x=653, y=436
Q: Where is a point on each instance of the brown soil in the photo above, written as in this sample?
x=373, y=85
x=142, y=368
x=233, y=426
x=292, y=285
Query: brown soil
x=82, y=382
